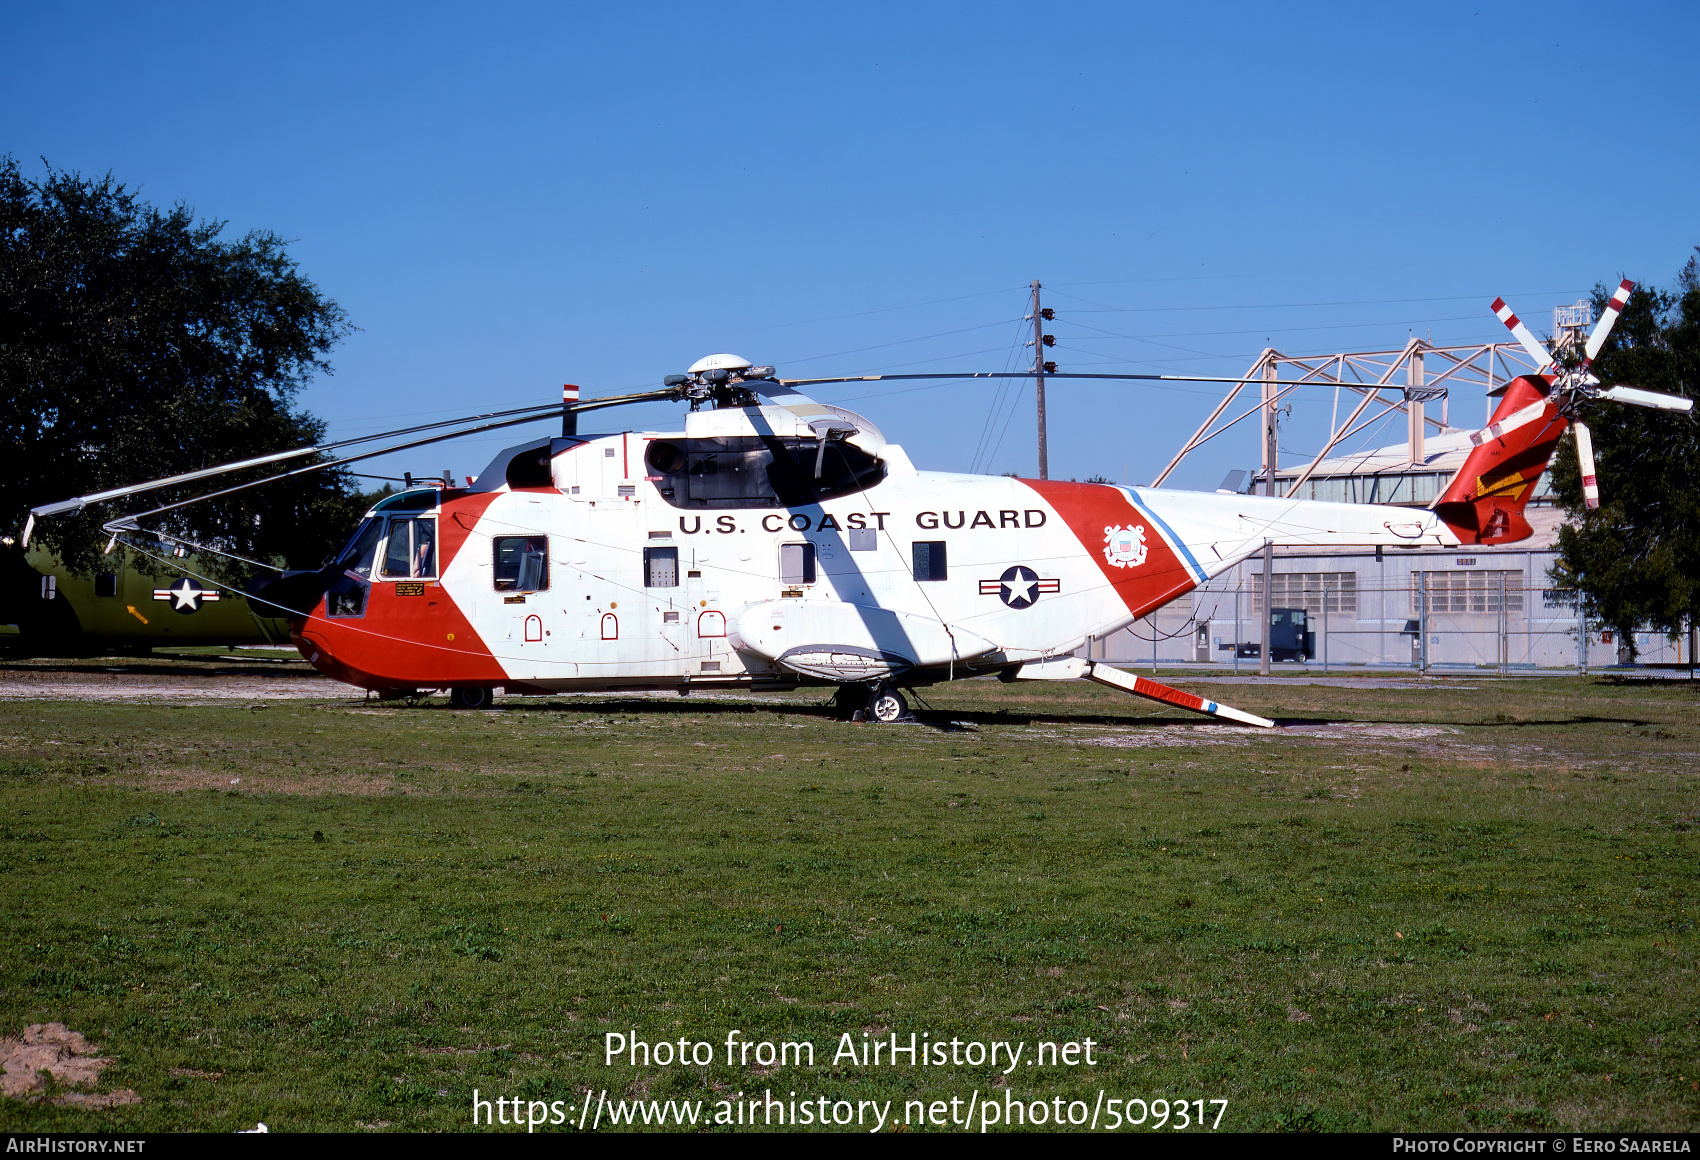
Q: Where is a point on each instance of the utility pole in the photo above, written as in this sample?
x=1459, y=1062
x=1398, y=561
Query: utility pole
x=1041, y=340
x=1422, y=622
x=1268, y=596
x=1581, y=634
x=1325, y=626
x=1271, y=435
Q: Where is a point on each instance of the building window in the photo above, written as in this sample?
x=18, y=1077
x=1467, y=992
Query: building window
x=930, y=560
x=1470, y=591
x=522, y=563
x=796, y=563
x=661, y=567
x=1307, y=590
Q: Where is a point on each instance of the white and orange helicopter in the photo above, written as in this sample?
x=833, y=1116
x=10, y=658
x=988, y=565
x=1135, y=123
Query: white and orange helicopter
x=774, y=541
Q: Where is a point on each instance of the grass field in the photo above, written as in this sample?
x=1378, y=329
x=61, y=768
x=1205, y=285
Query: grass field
x=1466, y=904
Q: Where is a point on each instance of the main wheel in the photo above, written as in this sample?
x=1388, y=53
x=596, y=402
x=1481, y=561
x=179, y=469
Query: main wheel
x=476, y=698
x=887, y=705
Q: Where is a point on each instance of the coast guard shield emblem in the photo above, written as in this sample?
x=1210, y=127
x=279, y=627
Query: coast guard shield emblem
x=1124, y=547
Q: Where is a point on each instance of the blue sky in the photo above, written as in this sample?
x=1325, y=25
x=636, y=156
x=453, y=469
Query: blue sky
x=508, y=197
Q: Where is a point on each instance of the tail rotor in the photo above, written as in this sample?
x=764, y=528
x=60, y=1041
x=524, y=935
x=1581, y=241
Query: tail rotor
x=1571, y=385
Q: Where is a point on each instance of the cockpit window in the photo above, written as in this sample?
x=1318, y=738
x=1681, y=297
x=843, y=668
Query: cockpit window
x=745, y=471
x=411, y=551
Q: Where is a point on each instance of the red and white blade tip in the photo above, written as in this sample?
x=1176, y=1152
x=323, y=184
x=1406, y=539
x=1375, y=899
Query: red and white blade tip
x=1585, y=460
x=1523, y=334
x=1608, y=319
x=569, y=392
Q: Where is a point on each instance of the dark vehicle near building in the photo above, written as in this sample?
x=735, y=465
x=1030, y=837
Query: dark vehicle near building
x=1290, y=637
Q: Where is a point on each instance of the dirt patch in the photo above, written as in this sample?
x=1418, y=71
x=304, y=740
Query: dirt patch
x=1369, y=731
x=65, y=1055
x=1172, y=737
x=25, y=685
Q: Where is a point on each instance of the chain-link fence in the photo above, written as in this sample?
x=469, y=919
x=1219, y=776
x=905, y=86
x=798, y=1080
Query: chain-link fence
x=1428, y=619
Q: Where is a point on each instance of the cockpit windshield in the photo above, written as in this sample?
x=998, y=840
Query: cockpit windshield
x=744, y=471
x=362, y=549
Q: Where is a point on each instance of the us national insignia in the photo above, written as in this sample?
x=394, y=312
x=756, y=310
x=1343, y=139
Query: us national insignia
x=1019, y=587
x=1124, y=547
x=186, y=596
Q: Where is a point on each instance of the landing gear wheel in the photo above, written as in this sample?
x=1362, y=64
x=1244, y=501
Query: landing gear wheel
x=471, y=698
x=1302, y=659
x=887, y=705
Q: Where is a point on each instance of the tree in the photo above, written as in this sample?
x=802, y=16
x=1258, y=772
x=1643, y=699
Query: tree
x=136, y=343
x=1636, y=559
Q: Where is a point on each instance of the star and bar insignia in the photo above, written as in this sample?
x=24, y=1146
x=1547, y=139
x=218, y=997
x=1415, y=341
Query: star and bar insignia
x=186, y=596
x=1019, y=586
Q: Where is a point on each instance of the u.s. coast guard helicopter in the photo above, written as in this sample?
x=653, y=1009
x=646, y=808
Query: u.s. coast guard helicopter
x=774, y=541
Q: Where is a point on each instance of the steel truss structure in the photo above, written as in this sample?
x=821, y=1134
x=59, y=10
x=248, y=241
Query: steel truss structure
x=1387, y=381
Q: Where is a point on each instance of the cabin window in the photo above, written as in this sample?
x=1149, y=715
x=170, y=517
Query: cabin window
x=106, y=584
x=749, y=471
x=411, y=551
x=796, y=563
x=522, y=563
x=661, y=567
x=930, y=560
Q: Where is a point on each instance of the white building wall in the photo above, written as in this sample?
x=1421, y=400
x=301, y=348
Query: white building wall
x=1542, y=632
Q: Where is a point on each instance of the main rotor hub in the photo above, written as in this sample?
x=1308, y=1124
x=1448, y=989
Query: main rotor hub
x=719, y=378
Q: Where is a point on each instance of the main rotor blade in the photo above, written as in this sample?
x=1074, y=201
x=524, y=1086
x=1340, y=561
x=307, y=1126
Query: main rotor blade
x=1636, y=397
x=1585, y=460
x=1608, y=319
x=1049, y=375
x=1542, y=356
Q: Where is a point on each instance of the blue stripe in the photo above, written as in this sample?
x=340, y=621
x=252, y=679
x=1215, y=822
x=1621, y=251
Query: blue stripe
x=1175, y=541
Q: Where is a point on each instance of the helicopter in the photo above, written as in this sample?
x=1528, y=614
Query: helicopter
x=773, y=541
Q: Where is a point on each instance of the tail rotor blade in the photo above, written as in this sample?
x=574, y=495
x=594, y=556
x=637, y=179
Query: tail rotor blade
x=1636, y=397
x=1542, y=357
x=1608, y=319
x=1585, y=459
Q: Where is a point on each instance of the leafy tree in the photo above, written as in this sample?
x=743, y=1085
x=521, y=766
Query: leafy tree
x=137, y=343
x=1636, y=559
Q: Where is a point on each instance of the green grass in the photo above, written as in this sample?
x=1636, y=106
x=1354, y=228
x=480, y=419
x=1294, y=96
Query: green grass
x=1477, y=914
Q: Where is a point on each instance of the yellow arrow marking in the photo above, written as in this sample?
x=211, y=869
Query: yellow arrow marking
x=134, y=613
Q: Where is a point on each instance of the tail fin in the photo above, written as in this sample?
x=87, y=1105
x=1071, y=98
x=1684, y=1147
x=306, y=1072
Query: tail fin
x=1484, y=502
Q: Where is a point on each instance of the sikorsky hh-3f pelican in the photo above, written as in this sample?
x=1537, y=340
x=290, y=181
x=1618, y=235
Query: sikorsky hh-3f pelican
x=773, y=541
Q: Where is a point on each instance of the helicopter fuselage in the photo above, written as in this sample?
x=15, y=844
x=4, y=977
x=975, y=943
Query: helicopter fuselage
x=755, y=550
